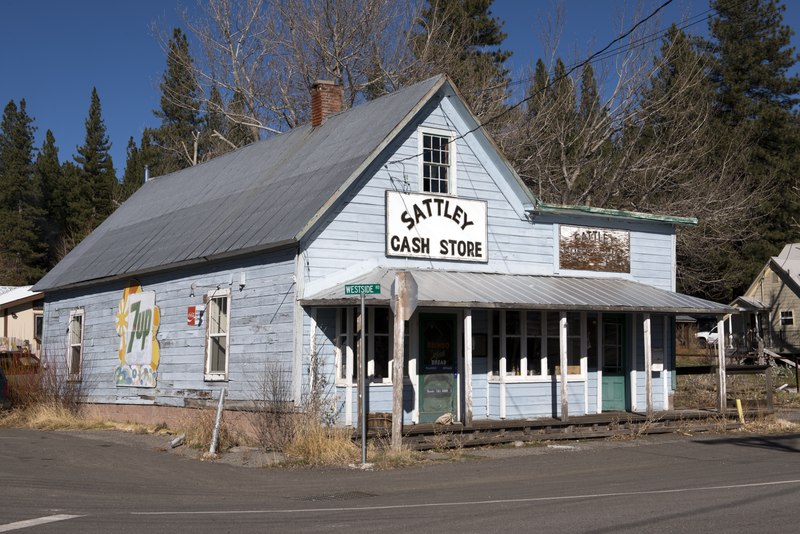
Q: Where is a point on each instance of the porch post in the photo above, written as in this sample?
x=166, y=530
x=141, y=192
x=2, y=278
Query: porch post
x=723, y=393
x=467, y=367
x=648, y=363
x=312, y=352
x=501, y=365
x=562, y=335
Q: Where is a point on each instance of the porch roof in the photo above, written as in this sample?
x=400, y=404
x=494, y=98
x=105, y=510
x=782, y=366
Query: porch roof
x=438, y=288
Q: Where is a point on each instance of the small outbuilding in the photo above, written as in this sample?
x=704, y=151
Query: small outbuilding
x=256, y=260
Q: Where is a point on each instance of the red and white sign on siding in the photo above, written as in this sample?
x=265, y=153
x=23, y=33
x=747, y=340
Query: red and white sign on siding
x=436, y=227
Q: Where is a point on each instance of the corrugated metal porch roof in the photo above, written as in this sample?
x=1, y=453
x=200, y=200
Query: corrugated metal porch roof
x=487, y=290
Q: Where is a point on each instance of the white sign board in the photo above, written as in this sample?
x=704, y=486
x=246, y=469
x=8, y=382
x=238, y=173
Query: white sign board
x=436, y=227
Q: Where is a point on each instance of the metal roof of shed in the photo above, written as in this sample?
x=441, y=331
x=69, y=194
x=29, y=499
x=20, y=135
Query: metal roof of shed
x=487, y=290
x=255, y=198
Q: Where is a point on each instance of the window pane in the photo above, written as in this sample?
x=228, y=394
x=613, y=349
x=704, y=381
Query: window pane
x=75, y=360
x=552, y=324
x=75, y=330
x=381, y=357
x=534, y=356
x=495, y=355
x=218, y=354
x=382, y=320
x=534, y=326
x=513, y=323
x=218, y=315
x=513, y=356
x=591, y=341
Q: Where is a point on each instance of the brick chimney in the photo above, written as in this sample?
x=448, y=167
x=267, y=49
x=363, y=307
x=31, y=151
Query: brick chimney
x=326, y=100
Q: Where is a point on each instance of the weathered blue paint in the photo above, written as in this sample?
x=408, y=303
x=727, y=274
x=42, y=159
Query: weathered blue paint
x=260, y=330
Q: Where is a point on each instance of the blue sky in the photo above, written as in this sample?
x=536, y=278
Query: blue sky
x=53, y=52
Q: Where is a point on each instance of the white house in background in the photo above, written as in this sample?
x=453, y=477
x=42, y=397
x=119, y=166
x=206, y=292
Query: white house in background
x=206, y=275
x=21, y=328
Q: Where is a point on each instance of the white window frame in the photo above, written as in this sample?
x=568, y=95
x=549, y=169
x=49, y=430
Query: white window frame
x=75, y=374
x=346, y=342
x=524, y=356
x=217, y=376
x=452, y=182
x=787, y=318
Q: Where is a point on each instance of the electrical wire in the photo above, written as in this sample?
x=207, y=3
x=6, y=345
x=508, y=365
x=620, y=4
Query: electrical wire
x=550, y=83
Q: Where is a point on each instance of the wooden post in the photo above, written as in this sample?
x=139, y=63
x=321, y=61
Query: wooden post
x=468, y=367
x=768, y=386
x=723, y=393
x=648, y=363
x=403, y=303
x=796, y=375
x=562, y=335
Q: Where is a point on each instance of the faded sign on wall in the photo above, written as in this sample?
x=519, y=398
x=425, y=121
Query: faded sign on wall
x=436, y=227
x=137, y=323
x=594, y=249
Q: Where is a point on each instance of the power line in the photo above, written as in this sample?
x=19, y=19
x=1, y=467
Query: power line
x=552, y=82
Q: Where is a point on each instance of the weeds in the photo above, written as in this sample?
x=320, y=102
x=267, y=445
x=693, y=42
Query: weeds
x=198, y=425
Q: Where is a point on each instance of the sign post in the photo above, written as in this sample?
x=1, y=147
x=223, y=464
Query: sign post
x=403, y=303
x=363, y=290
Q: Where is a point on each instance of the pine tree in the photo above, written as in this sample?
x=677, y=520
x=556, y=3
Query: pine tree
x=95, y=196
x=134, y=172
x=462, y=39
x=755, y=95
x=54, y=194
x=215, y=132
x=179, y=134
x=22, y=250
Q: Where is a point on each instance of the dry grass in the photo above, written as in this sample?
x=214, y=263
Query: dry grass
x=55, y=416
x=387, y=458
x=769, y=425
x=198, y=425
x=317, y=444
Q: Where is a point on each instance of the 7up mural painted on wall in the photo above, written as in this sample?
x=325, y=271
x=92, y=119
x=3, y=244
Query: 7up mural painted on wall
x=137, y=323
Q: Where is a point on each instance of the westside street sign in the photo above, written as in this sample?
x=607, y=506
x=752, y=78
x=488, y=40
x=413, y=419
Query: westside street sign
x=362, y=289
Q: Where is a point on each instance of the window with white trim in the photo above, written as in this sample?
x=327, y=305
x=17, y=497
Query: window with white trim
x=787, y=318
x=379, y=342
x=75, y=340
x=217, y=334
x=437, y=162
x=528, y=343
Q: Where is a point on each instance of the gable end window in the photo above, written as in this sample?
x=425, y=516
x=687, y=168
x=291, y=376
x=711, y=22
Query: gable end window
x=787, y=318
x=437, y=162
x=75, y=341
x=217, y=338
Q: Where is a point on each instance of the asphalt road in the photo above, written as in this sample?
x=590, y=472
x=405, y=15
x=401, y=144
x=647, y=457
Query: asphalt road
x=58, y=482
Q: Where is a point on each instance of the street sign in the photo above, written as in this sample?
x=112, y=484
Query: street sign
x=362, y=289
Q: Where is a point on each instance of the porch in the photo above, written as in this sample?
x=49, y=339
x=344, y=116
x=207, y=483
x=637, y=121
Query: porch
x=427, y=436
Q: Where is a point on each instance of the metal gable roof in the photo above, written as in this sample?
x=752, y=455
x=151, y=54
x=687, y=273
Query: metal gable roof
x=256, y=198
x=487, y=290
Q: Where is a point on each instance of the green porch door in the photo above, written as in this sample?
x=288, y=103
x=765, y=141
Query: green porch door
x=615, y=376
x=438, y=371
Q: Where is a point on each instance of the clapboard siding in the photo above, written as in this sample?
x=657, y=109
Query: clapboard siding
x=354, y=231
x=261, y=316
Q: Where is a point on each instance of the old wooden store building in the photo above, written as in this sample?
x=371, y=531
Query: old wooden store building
x=523, y=309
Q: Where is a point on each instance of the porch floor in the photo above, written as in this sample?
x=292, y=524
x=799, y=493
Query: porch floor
x=489, y=432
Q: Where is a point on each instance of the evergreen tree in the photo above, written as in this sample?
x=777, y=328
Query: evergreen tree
x=462, y=39
x=179, y=134
x=22, y=250
x=215, y=132
x=238, y=133
x=755, y=95
x=95, y=196
x=54, y=194
x=538, y=89
x=134, y=172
